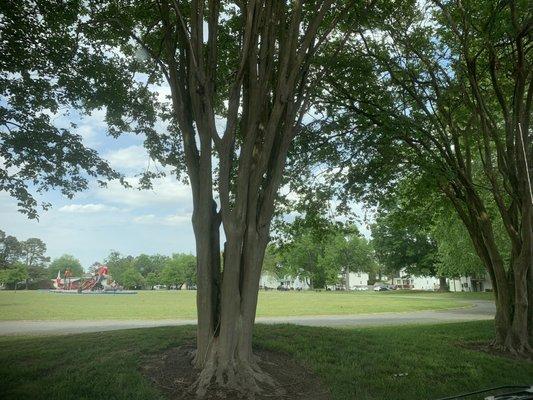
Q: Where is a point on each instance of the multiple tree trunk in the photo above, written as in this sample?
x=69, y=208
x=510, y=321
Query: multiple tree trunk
x=506, y=154
x=468, y=97
x=267, y=97
x=265, y=104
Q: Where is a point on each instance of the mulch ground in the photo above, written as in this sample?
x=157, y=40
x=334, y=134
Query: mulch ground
x=173, y=374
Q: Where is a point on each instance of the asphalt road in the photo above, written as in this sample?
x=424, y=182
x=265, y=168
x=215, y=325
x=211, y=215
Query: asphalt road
x=480, y=310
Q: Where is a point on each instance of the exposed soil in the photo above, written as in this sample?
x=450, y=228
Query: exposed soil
x=173, y=374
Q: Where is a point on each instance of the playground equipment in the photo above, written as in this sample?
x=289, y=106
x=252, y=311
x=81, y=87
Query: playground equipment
x=99, y=281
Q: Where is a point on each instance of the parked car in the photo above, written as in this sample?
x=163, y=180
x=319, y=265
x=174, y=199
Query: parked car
x=381, y=289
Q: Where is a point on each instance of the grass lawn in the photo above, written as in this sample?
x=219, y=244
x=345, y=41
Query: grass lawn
x=43, y=305
x=357, y=364
x=443, y=295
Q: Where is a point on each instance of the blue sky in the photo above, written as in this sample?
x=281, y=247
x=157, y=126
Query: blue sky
x=99, y=220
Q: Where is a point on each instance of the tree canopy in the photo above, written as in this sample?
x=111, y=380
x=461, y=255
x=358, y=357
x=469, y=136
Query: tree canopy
x=66, y=261
x=441, y=90
x=46, y=72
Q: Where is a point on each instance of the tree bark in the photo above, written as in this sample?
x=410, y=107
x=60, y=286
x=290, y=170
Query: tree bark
x=229, y=361
x=443, y=285
x=206, y=228
x=512, y=286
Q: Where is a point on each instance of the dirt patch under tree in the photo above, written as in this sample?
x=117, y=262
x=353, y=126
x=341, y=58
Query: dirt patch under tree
x=173, y=374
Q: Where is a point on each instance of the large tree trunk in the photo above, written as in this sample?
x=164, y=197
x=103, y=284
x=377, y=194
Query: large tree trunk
x=513, y=319
x=519, y=337
x=512, y=287
x=229, y=360
x=206, y=228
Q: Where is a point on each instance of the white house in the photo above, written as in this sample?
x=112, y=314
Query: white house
x=470, y=284
x=462, y=284
x=272, y=282
x=425, y=283
x=407, y=281
x=354, y=280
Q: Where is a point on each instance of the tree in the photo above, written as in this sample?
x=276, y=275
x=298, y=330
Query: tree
x=300, y=258
x=347, y=253
x=272, y=262
x=146, y=264
x=118, y=265
x=37, y=81
x=66, y=261
x=456, y=256
x=401, y=244
x=10, y=250
x=172, y=275
x=152, y=279
x=446, y=92
x=302, y=244
x=13, y=276
x=179, y=269
x=33, y=253
x=249, y=63
x=131, y=278
x=188, y=262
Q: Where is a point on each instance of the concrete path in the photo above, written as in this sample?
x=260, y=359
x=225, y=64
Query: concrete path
x=480, y=310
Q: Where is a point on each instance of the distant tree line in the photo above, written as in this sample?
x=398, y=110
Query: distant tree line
x=25, y=265
x=319, y=252
x=149, y=271
x=416, y=238
x=22, y=262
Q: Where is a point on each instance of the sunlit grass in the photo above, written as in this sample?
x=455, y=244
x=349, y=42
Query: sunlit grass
x=157, y=305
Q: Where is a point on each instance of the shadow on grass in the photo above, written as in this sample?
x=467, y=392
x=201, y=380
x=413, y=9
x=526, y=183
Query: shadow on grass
x=407, y=362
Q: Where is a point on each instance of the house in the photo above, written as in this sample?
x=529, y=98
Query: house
x=269, y=281
x=354, y=280
x=461, y=284
x=470, y=284
x=413, y=282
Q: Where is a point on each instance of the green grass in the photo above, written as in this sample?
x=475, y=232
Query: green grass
x=353, y=363
x=43, y=305
x=444, y=295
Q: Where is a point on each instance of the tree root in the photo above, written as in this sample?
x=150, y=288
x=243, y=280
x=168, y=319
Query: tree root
x=520, y=350
x=244, y=377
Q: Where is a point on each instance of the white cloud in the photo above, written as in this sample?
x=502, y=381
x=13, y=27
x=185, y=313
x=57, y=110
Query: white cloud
x=89, y=134
x=178, y=219
x=87, y=208
x=169, y=220
x=134, y=157
x=166, y=191
x=91, y=127
x=145, y=219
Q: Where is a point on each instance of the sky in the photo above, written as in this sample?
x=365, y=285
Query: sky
x=100, y=220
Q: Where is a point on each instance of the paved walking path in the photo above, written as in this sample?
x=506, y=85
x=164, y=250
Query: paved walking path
x=480, y=310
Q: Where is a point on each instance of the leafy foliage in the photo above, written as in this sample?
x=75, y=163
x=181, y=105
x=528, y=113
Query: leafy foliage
x=66, y=261
x=319, y=251
x=46, y=71
x=10, y=250
x=14, y=276
x=151, y=270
